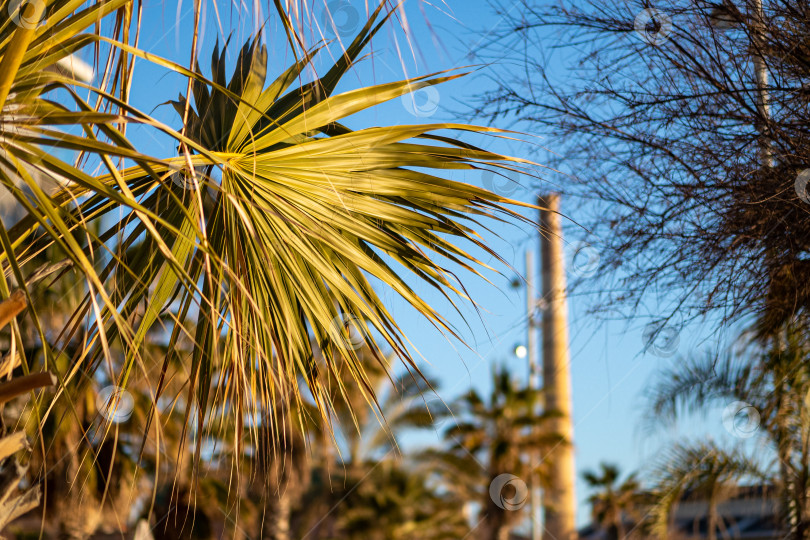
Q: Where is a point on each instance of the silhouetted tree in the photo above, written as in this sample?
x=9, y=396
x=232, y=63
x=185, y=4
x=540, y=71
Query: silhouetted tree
x=685, y=126
x=612, y=501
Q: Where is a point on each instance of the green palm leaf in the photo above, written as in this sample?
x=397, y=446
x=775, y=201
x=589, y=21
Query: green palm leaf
x=291, y=225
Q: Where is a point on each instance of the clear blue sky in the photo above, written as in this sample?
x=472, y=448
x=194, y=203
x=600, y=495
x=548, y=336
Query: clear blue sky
x=609, y=368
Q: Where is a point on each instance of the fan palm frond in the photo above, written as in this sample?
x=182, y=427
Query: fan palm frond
x=273, y=228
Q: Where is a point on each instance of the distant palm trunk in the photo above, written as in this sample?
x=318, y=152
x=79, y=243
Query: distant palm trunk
x=619, y=524
x=712, y=518
x=276, y=522
x=284, y=474
x=494, y=528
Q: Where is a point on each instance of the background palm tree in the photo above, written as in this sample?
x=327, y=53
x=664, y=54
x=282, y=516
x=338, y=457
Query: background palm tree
x=396, y=500
x=701, y=471
x=297, y=477
x=381, y=495
x=88, y=467
x=282, y=458
x=770, y=389
x=16, y=501
x=612, y=503
x=489, y=438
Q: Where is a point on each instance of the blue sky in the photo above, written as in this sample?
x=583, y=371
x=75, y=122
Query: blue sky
x=609, y=366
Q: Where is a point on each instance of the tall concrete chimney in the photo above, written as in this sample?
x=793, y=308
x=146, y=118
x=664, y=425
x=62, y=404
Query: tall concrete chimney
x=559, y=501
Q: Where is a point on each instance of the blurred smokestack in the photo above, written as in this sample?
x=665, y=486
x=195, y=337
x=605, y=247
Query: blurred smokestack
x=559, y=501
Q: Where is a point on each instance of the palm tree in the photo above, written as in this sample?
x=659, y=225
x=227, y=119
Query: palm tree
x=389, y=497
x=396, y=501
x=282, y=458
x=491, y=439
x=770, y=388
x=291, y=225
x=703, y=471
x=612, y=501
x=36, y=38
x=380, y=494
x=292, y=450
x=88, y=466
x=290, y=217
x=16, y=501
